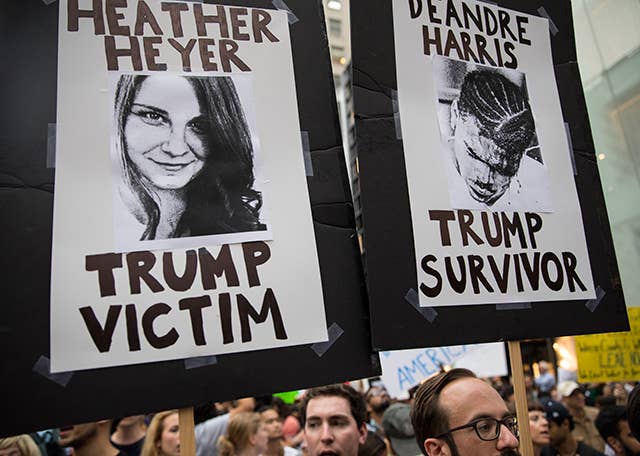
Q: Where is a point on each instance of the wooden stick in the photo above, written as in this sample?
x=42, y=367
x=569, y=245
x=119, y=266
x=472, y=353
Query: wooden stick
x=187, y=432
x=517, y=380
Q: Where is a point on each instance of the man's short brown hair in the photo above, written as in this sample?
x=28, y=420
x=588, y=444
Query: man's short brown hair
x=427, y=416
x=353, y=397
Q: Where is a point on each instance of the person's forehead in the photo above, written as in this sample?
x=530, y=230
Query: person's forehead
x=269, y=414
x=328, y=406
x=467, y=399
x=170, y=420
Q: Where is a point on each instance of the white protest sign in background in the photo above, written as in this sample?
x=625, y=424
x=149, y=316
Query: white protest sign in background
x=494, y=207
x=185, y=295
x=402, y=369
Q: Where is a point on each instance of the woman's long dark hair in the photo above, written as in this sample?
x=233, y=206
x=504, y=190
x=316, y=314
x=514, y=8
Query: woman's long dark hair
x=221, y=199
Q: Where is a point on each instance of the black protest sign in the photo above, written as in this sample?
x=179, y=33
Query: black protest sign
x=481, y=222
x=153, y=292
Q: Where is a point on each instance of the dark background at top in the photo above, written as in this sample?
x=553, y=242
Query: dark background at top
x=29, y=38
x=389, y=249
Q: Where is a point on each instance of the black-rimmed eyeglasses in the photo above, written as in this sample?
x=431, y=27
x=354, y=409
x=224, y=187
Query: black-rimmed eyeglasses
x=488, y=429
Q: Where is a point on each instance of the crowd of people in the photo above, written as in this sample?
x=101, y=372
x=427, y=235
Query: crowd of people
x=453, y=413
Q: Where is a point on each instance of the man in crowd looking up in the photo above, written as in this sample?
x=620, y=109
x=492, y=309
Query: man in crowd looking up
x=573, y=398
x=378, y=400
x=129, y=435
x=562, y=440
x=613, y=425
x=89, y=439
x=456, y=414
x=333, y=417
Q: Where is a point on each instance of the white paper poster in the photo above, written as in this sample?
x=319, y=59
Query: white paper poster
x=403, y=369
x=494, y=207
x=182, y=224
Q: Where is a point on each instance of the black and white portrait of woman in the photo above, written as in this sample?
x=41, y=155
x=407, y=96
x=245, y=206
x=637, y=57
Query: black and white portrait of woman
x=184, y=158
x=487, y=125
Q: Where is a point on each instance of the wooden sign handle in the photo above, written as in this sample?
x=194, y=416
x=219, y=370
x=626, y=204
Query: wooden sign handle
x=187, y=432
x=522, y=413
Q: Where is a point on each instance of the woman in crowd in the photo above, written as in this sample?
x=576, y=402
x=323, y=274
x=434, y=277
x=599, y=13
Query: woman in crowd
x=163, y=435
x=247, y=435
x=538, y=427
x=183, y=150
x=20, y=445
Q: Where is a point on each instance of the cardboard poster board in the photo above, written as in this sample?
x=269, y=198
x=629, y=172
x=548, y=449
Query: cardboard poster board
x=489, y=172
x=403, y=369
x=612, y=357
x=483, y=220
x=187, y=233
x=39, y=399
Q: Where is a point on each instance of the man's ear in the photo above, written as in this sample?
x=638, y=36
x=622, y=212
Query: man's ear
x=454, y=115
x=436, y=447
x=363, y=433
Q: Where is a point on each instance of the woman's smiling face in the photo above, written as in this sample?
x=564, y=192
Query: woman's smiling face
x=165, y=132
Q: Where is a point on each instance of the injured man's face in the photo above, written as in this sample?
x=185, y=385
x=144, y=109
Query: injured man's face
x=486, y=168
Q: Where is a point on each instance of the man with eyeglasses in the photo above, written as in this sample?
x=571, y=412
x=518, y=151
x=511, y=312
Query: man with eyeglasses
x=457, y=414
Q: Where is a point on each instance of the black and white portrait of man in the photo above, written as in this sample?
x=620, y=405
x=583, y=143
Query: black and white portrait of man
x=494, y=161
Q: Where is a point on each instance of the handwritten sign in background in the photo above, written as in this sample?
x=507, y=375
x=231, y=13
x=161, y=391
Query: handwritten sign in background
x=402, y=369
x=612, y=356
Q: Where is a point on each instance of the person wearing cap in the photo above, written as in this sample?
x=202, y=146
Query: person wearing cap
x=562, y=441
x=456, y=414
x=573, y=398
x=613, y=425
x=396, y=423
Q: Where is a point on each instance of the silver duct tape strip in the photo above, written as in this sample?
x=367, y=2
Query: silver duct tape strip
x=306, y=153
x=51, y=145
x=334, y=332
x=552, y=26
x=592, y=304
x=281, y=5
x=429, y=313
x=200, y=361
x=43, y=367
x=48, y=2
x=567, y=130
x=396, y=113
x=513, y=306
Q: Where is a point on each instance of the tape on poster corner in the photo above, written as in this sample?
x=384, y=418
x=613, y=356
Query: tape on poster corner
x=396, y=113
x=43, y=367
x=200, y=361
x=552, y=26
x=48, y=2
x=567, y=130
x=306, y=153
x=429, y=313
x=281, y=5
x=593, y=303
x=334, y=333
x=51, y=146
x=513, y=306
